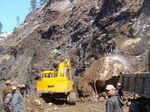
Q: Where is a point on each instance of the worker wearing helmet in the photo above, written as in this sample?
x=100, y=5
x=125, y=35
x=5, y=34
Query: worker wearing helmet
x=7, y=101
x=113, y=103
x=17, y=102
x=6, y=90
x=119, y=90
x=22, y=89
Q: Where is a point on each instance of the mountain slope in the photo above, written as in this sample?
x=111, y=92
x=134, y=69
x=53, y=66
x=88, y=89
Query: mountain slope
x=83, y=30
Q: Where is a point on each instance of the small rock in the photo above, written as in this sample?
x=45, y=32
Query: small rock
x=55, y=108
x=101, y=99
x=50, y=103
x=37, y=102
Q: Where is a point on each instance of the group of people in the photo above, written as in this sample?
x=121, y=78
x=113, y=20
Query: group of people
x=115, y=98
x=13, y=97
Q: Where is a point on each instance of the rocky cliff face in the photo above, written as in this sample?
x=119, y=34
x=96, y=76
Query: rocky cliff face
x=83, y=30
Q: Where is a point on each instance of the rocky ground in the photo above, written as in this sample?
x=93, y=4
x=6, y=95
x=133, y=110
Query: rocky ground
x=84, y=104
x=38, y=104
x=101, y=37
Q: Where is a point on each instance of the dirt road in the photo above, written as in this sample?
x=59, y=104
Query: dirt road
x=37, y=104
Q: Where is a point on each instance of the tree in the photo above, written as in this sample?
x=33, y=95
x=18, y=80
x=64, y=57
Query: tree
x=18, y=20
x=33, y=4
x=1, y=27
x=44, y=1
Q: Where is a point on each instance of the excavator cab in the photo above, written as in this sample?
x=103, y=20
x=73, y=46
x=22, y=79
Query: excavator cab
x=57, y=82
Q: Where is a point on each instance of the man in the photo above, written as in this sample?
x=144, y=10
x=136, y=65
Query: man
x=27, y=88
x=6, y=90
x=119, y=90
x=17, y=102
x=7, y=101
x=113, y=103
x=22, y=89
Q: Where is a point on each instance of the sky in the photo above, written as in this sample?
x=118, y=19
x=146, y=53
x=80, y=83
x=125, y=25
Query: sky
x=10, y=9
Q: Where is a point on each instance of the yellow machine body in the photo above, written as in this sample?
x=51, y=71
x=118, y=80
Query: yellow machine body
x=56, y=81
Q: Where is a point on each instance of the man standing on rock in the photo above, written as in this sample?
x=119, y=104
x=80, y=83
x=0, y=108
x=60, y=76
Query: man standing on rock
x=7, y=102
x=6, y=90
x=119, y=90
x=6, y=96
x=22, y=90
x=113, y=103
x=17, y=102
x=27, y=88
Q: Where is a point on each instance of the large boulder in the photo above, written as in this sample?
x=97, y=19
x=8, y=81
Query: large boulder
x=103, y=70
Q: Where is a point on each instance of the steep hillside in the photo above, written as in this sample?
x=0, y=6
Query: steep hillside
x=83, y=30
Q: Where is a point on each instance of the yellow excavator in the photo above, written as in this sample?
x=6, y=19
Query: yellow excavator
x=58, y=83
